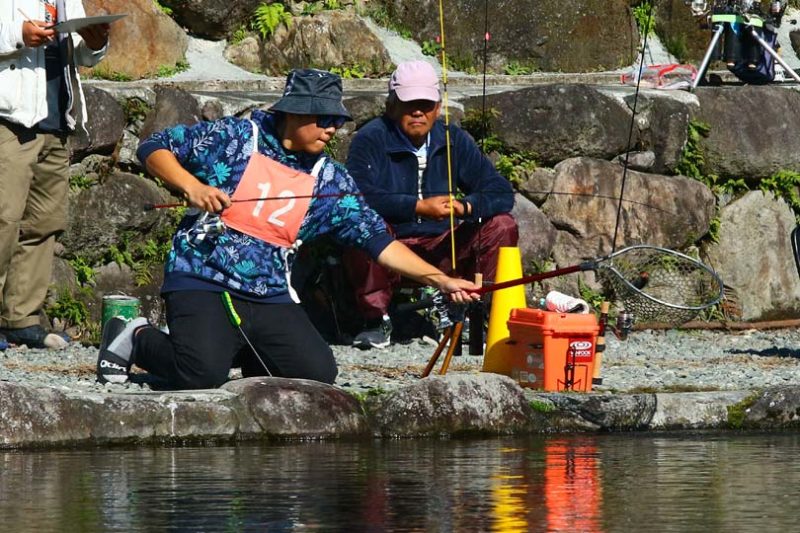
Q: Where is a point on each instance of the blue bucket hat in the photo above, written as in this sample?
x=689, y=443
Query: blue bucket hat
x=312, y=92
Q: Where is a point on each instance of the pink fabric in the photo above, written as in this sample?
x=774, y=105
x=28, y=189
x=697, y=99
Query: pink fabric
x=275, y=220
x=415, y=80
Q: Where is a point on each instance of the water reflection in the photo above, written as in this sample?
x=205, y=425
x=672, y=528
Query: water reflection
x=699, y=482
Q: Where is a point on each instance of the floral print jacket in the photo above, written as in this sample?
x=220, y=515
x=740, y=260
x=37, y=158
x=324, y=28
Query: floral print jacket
x=217, y=153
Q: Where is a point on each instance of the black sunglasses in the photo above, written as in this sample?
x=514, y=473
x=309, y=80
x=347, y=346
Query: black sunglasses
x=326, y=121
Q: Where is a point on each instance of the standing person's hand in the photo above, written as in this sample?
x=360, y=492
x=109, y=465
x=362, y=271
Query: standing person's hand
x=95, y=36
x=35, y=33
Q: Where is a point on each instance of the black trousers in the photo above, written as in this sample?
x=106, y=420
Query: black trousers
x=202, y=343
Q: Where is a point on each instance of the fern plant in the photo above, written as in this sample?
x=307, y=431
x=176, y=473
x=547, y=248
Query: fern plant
x=267, y=18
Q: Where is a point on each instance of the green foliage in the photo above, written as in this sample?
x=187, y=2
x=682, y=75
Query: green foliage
x=737, y=412
x=69, y=309
x=164, y=9
x=645, y=16
x=79, y=182
x=332, y=4
x=330, y=147
x=514, y=165
x=541, y=406
x=354, y=71
x=135, y=109
x=431, y=48
x=784, y=184
x=311, y=8
x=592, y=296
x=362, y=396
x=238, y=35
x=84, y=273
x=676, y=45
x=382, y=17
x=515, y=68
x=692, y=160
x=463, y=62
x=102, y=72
x=477, y=123
x=166, y=71
x=141, y=257
x=267, y=18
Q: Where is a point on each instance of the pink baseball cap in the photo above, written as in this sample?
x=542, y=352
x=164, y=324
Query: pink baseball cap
x=415, y=80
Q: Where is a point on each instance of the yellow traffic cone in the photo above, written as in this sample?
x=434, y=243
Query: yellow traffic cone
x=509, y=266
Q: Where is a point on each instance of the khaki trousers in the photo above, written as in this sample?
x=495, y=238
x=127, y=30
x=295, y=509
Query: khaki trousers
x=34, y=179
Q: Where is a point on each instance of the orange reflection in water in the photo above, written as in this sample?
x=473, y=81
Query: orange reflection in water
x=572, y=486
x=565, y=495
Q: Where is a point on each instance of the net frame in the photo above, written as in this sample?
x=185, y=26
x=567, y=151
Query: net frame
x=655, y=300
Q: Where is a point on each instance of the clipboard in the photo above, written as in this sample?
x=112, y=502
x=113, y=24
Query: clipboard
x=71, y=25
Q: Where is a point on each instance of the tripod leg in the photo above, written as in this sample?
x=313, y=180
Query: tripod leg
x=453, y=341
x=707, y=58
x=775, y=55
x=446, y=334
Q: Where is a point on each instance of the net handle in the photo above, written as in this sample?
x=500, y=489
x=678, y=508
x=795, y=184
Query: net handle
x=598, y=263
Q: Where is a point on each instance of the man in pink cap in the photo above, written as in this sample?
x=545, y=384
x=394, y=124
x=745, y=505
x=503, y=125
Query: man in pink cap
x=399, y=162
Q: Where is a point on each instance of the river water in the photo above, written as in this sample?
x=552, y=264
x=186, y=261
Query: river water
x=733, y=482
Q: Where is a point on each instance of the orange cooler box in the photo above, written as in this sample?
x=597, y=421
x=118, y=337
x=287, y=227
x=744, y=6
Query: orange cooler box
x=547, y=350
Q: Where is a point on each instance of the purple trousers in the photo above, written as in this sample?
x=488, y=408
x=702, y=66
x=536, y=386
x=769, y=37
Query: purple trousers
x=477, y=248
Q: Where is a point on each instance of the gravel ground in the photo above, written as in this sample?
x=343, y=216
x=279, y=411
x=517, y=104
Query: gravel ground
x=648, y=360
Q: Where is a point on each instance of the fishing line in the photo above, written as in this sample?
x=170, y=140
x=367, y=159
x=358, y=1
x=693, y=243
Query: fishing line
x=630, y=130
x=447, y=137
x=151, y=207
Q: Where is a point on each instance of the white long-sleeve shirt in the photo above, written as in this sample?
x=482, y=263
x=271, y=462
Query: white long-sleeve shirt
x=23, y=80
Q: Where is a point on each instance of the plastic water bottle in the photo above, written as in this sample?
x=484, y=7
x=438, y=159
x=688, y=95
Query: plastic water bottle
x=563, y=303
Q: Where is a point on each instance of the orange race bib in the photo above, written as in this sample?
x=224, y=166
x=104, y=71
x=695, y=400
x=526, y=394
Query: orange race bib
x=278, y=199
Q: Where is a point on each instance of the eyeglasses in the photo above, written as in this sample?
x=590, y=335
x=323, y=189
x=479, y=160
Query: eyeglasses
x=326, y=121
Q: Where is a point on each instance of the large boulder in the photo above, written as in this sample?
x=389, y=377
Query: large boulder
x=452, y=404
x=297, y=408
x=667, y=211
x=141, y=42
x=330, y=39
x=754, y=256
x=557, y=122
x=104, y=127
x=173, y=106
x=754, y=131
x=548, y=35
x=663, y=123
x=537, y=236
x=213, y=19
x=98, y=216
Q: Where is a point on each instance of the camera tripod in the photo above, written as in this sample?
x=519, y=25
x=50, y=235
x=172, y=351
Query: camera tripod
x=721, y=21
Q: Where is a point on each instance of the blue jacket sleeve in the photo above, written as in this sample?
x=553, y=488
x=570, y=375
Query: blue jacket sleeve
x=353, y=222
x=484, y=188
x=370, y=166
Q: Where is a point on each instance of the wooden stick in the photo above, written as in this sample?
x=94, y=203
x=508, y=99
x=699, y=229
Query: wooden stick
x=453, y=341
x=438, y=352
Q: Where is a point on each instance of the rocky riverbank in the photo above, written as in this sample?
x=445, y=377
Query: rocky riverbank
x=653, y=381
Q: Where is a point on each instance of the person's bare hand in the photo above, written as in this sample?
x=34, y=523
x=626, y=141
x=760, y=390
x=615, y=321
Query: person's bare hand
x=459, y=290
x=35, y=33
x=438, y=208
x=207, y=198
x=95, y=36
